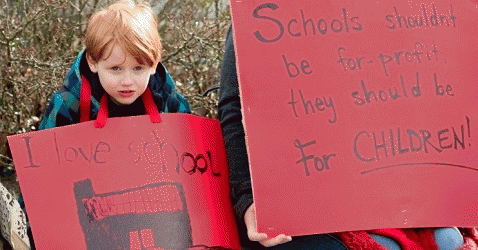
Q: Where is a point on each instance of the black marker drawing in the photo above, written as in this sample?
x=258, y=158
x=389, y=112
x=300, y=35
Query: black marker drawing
x=418, y=163
x=148, y=217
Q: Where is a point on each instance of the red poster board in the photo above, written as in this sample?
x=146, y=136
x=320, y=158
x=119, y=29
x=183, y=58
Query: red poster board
x=359, y=114
x=130, y=185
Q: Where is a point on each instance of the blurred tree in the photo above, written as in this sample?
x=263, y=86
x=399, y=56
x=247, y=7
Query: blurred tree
x=193, y=33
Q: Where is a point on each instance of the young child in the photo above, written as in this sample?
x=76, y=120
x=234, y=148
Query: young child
x=121, y=61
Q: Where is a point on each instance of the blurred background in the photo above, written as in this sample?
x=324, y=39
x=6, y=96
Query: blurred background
x=39, y=40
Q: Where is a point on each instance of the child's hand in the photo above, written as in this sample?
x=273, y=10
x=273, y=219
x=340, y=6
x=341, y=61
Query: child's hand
x=250, y=219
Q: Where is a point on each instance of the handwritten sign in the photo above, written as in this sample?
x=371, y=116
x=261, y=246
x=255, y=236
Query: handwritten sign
x=130, y=185
x=359, y=114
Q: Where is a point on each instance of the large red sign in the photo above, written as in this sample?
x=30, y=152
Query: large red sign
x=130, y=185
x=359, y=114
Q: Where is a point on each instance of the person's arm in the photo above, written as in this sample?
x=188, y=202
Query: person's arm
x=231, y=123
x=234, y=138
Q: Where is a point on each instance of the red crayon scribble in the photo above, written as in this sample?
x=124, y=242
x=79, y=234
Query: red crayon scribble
x=148, y=200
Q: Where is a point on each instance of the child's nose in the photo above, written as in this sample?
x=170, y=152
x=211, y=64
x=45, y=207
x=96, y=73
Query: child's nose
x=127, y=79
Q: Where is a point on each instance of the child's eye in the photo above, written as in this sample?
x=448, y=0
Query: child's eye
x=115, y=68
x=138, y=68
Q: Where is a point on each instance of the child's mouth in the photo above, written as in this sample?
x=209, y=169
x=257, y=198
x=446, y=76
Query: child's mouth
x=126, y=93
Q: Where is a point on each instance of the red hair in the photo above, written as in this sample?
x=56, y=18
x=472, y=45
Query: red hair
x=129, y=24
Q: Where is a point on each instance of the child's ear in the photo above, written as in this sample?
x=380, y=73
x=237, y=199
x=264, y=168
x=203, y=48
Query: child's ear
x=93, y=65
x=153, y=69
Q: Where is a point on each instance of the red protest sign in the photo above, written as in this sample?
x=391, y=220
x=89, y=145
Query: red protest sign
x=130, y=185
x=359, y=114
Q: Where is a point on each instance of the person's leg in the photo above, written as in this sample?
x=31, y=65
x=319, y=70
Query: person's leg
x=448, y=238
x=386, y=242
x=310, y=242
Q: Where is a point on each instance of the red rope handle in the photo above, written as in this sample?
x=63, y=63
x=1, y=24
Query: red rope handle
x=150, y=106
x=102, y=112
x=85, y=100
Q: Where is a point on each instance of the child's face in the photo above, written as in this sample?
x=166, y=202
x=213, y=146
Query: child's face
x=123, y=78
